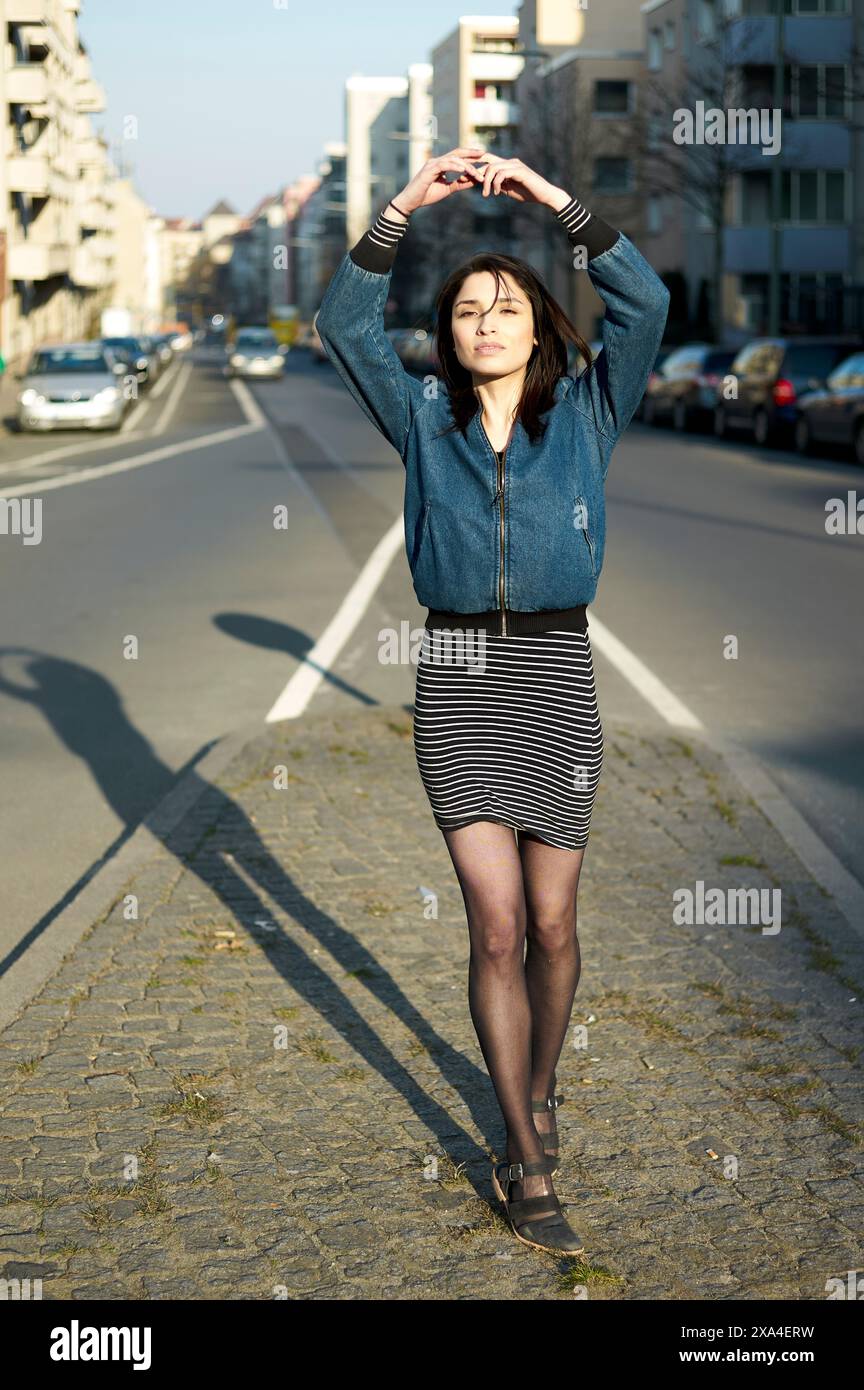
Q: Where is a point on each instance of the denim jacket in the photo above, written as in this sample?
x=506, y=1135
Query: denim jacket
x=536, y=543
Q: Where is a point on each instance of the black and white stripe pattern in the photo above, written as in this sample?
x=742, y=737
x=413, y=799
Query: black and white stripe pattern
x=573, y=216
x=586, y=229
x=387, y=232
x=514, y=737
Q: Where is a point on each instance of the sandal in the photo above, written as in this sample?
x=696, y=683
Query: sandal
x=545, y=1232
x=550, y=1137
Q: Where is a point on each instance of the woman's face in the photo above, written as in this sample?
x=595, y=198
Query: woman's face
x=492, y=339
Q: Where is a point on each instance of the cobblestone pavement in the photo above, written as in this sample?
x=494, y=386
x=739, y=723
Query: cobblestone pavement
x=267, y=1084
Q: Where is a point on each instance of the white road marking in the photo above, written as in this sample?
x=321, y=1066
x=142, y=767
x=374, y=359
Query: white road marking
x=649, y=686
x=308, y=676
x=85, y=475
x=171, y=404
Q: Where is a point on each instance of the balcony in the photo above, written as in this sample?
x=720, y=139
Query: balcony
x=495, y=67
x=747, y=250
x=90, y=269
x=486, y=111
x=806, y=39
x=26, y=11
x=89, y=96
x=27, y=173
x=805, y=144
x=95, y=212
x=27, y=85
x=34, y=260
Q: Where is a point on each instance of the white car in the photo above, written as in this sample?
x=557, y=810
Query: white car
x=73, y=385
x=255, y=352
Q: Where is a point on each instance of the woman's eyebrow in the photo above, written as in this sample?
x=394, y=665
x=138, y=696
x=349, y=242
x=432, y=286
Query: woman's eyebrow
x=509, y=300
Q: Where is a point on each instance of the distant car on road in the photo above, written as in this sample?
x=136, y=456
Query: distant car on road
x=255, y=352
x=162, y=342
x=658, y=363
x=73, y=385
x=835, y=414
x=771, y=374
x=141, y=360
x=683, y=391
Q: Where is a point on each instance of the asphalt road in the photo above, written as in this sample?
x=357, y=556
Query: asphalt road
x=180, y=552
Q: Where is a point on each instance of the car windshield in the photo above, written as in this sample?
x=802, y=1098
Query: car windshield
x=51, y=360
x=813, y=359
x=256, y=342
x=124, y=345
x=850, y=373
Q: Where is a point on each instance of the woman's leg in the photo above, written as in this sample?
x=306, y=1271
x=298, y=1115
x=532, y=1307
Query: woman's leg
x=488, y=867
x=550, y=879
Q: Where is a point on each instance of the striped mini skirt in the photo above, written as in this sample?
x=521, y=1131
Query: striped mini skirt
x=507, y=729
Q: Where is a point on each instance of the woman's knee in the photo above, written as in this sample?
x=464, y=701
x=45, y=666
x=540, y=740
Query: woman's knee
x=500, y=934
x=553, y=929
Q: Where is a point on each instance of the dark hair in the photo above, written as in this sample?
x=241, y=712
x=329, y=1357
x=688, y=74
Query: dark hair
x=548, y=360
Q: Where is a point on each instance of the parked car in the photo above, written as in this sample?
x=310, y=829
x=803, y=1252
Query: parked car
x=658, y=363
x=255, y=353
x=835, y=413
x=684, y=390
x=163, y=347
x=140, y=360
x=72, y=385
x=771, y=374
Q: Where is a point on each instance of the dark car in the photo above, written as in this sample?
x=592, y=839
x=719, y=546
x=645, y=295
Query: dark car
x=835, y=414
x=771, y=374
x=658, y=363
x=684, y=390
x=139, y=358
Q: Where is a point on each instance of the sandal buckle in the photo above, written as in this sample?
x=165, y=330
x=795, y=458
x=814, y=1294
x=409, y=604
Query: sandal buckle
x=517, y=1176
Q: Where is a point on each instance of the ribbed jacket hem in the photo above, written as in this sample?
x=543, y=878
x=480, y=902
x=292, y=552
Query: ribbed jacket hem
x=518, y=624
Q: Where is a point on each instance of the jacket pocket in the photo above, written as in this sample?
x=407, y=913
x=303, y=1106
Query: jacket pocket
x=421, y=534
x=581, y=523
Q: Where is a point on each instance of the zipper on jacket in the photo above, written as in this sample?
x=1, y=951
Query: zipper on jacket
x=501, y=465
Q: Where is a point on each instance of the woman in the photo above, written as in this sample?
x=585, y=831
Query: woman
x=505, y=463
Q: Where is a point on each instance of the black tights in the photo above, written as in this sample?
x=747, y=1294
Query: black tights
x=520, y=1009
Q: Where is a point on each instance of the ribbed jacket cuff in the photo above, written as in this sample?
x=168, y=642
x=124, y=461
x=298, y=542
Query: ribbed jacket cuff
x=376, y=249
x=586, y=229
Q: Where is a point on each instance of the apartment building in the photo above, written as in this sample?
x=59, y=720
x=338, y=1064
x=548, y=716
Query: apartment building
x=737, y=248
x=388, y=137
x=56, y=203
x=320, y=231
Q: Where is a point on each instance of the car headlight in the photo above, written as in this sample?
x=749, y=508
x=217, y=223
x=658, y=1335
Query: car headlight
x=108, y=393
x=237, y=359
x=141, y=363
x=31, y=397
x=276, y=360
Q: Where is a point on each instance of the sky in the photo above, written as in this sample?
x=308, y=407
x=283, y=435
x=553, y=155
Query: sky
x=235, y=98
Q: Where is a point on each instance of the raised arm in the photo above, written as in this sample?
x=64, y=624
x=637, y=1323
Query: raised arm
x=636, y=302
x=350, y=323
x=350, y=320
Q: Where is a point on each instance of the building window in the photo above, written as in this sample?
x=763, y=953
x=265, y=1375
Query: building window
x=655, y=215
x=805, y=7
x=820, y=90
x=611, y=98
x=655, y=49
x=611, y=175
x=806, y=195
x=706, y=21
x=669, y=34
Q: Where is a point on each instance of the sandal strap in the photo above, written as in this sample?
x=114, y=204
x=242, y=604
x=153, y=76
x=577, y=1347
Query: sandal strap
x=515, y=1172
x=534, y=1206
x=550, y=1103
